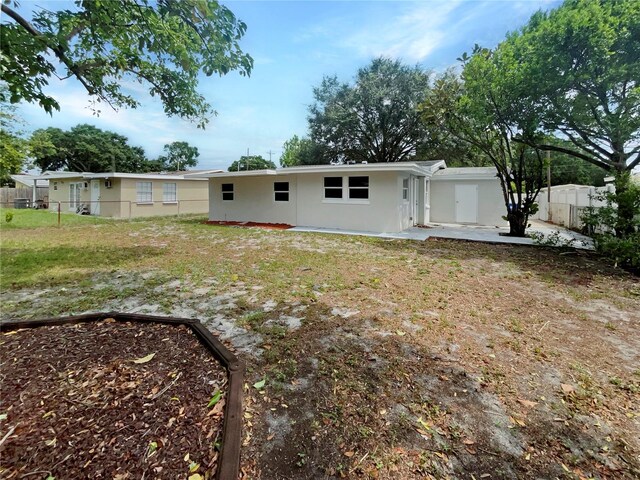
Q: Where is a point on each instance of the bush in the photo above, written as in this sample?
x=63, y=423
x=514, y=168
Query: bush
x=8, y=217
x=617, y=236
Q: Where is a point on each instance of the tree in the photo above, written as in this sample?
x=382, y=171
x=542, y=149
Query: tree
x=164, y=44
x=578, y=68
x=86, y=148
x=178, y=156
x=566, y=169
x=302, y=151
x=13, y=148
x=251, y=162
x=375, y=119
x=469, y=108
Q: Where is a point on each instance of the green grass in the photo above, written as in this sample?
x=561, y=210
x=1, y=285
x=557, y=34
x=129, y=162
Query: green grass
x=29, y=218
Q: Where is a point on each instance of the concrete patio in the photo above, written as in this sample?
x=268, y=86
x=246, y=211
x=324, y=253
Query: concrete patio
x=472, y=233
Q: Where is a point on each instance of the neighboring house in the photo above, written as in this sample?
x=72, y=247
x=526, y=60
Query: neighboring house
x=374, y=197
x=29, y=181
x=127, y=195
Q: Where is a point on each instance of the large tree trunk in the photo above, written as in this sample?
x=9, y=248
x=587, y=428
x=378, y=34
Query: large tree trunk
x=517, y=223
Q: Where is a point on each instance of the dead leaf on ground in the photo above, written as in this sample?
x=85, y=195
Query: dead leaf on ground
x=527, y=403
x=567, y=389
x=144, y=359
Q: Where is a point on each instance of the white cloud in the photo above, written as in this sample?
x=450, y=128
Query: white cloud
x=413, y=34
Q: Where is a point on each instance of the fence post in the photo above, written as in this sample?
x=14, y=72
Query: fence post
x=59, y=213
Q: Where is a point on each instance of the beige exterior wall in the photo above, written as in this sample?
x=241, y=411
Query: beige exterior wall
x=490, y=206
x=384, y=211
x=119, y=201
x=59, y=192
x=192, y=197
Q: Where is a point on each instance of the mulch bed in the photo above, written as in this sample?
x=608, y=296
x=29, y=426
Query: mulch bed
x=273, y=226
x=77, y=405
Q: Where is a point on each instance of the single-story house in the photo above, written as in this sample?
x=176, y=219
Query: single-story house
x=127, y=195
x=374, y=197
x=25, y=180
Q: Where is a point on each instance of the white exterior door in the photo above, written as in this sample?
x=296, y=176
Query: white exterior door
x=95, y=197
x=466, y=203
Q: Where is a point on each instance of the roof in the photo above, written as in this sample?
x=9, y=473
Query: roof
x=28, y=180
x=417, y=168
x=141, y=176
x=466, y=173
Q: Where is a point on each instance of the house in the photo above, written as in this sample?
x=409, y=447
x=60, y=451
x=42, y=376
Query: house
x=28, y=189
x=29, y=181
x=374, y=197
x=127, y=195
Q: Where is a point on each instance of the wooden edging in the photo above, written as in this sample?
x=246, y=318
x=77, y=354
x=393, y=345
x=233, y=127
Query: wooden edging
x=229, y=462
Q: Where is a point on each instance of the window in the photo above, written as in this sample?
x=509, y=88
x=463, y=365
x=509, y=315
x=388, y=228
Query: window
x=169, y=193
x=281, y=191
x=74, y=195
x=332, y=187
x=405, y=189
x=359, y=187
x=227, y=191
x=144, y=192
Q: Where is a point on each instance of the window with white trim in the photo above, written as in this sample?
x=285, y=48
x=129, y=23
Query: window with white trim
x=144, y=192
x=169, y=192
x=227, y=191
x=332, y=187
x=405, y=189
x=281, y=191
x=359, y=187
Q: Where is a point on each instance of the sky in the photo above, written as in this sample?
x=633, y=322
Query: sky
x=293, y=44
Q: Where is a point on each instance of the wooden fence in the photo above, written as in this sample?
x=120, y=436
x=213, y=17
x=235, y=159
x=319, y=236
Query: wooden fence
x=9, y=194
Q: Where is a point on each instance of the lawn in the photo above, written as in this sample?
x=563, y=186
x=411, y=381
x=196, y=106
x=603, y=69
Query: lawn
x=380, y=358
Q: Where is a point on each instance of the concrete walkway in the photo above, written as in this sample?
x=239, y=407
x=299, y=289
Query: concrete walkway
x=470, y=232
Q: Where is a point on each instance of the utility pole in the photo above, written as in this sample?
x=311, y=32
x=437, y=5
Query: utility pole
x=270, y=153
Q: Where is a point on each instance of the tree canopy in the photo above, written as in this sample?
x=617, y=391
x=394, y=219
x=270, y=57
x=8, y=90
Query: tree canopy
x=375, y=119
x=86, y=148
x=576, y=70
x=178, y=156
x=251, y=162
x=13, y=148
x=163, y=44
x=302, y=151
x=468, y=108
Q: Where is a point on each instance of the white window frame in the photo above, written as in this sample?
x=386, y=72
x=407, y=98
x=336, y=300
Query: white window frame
x=169, y=196
x=405, y=190
x=144, y=197
x=232, y=192
x=287, y=191
x=346, y=190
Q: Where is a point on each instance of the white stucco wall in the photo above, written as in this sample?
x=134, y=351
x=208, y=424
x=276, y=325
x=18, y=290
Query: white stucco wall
x=253, y=200
x=383, y=211
x=490, y=206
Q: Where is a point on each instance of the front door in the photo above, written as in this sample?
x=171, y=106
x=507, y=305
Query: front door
x=74, y=196
x=466, y=203
x=95, y=197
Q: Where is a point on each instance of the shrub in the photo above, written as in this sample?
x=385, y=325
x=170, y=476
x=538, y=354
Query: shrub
x=617, y=236
x=8, y=217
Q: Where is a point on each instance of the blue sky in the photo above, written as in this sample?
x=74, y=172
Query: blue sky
x=295, y=43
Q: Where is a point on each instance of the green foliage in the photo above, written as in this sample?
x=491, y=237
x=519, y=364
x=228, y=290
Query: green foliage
x=8, y=217
x=251, y=162
x=575, y=71
x=13, y=148
x=615, y=227
x=375, y=119
x=302, y=151
x=471, y=110
x=178, y=156
x=163, y=44
x=86, y=148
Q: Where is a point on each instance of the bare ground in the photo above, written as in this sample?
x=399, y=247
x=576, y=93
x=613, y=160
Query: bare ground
x=381, y=359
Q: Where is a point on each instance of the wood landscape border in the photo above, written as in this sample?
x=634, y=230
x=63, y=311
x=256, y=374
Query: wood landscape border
x=229, y=463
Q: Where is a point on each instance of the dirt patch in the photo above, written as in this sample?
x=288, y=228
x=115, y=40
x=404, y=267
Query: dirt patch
x=273, y=226
x=109, y=400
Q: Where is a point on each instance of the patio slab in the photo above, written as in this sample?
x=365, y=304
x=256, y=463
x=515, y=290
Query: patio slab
x=472, y=233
